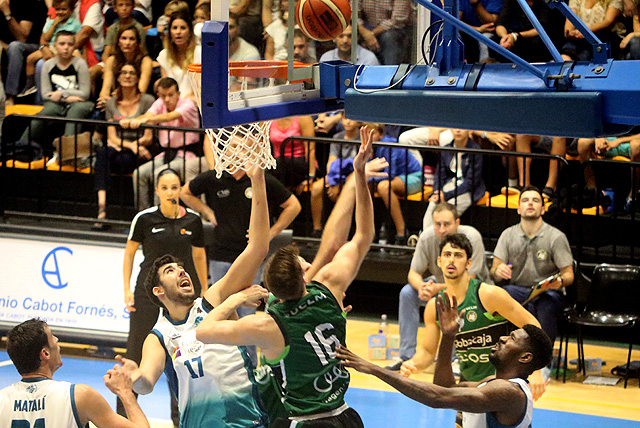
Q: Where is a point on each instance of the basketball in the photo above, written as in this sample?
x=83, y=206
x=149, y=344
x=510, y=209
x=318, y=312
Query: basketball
x=323, y=20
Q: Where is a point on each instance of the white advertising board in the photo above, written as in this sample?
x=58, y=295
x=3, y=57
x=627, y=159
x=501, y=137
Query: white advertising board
x=68, y=284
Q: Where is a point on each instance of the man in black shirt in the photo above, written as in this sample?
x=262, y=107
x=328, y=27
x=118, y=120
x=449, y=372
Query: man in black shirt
x=20, y=29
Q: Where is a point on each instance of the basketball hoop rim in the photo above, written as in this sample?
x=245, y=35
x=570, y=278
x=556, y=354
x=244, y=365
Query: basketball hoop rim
x=256, y=68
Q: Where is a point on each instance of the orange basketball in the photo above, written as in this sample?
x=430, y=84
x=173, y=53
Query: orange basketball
x=323, y=19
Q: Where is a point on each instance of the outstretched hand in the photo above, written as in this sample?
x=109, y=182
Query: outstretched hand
x=366, y=150
x=375, y=168
x=349, y=359
x=128, y=365
x=448, y=314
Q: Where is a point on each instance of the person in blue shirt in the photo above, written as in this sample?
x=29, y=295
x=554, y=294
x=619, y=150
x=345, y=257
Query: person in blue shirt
x=404, y=178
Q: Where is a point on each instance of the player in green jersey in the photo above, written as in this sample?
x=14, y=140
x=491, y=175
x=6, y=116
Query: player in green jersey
x=487, y=310
x=298, y=335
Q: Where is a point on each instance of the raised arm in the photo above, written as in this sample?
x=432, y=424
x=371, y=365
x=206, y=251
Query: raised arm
x=497, y=396
x=246, y=265
x=427, y=348
x=340, y=272
x=145, y=376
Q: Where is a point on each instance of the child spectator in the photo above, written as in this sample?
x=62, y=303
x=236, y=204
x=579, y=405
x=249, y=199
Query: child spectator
x=61, y=19
x=174, y=6
x=124, y=9
x=141, y=12
x=179, y=51
x=129, y=49
x=458, y=178
x=65, y=91
x=404, y=178
x=339, y=166
x=201, y=15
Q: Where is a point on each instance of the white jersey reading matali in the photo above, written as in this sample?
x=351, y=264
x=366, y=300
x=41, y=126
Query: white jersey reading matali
x=214, y=383
x=38, y=403
x=487, y=420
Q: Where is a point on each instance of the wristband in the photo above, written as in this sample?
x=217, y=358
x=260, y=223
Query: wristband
x=515, y=37
x=495, y=271
x=8, y=17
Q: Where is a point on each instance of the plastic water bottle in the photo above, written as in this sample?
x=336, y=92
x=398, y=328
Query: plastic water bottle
x=383, y=325
x=382, y=238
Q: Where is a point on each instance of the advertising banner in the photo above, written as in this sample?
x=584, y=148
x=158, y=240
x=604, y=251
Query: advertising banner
x=68, y=284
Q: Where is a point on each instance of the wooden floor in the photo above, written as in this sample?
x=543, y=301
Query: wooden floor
x=572, y=396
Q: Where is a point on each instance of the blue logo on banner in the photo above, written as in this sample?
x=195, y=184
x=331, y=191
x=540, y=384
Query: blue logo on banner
x=52, y=277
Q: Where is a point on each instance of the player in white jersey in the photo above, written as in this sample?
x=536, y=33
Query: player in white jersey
x=214, y=383
x=38, y=401
x=503, y=400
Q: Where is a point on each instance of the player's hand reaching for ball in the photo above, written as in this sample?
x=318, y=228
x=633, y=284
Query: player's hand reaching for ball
x=365, y=152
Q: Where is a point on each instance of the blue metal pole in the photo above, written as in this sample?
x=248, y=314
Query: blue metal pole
x=543, y=35
x=482, y=39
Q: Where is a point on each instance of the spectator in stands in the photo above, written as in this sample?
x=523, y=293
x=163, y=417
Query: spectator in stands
x=515, y=32
x=601, y=17
x=128, y=49
x=405, y=178
x=386, y=29
x=425, y=276
x=239, y=48
x=558, y=147
x=631, y=42
x=126, y=148
x=20, y=32
x=343, y=51
x=481, y=15
x=141, y=12
x=90, y=39
x=458, y=178
x=181, y=148
x=201, y=15
x=124, y=9
x=63, y=21
x=249, y=15
x=174, y=6
x=65, y=91
x=301, y=48
x=179, y=51
x=276, y=35
x=528, y=253
x=628, y=147
x=297, y=160
x=501, y=141
x=339, y=167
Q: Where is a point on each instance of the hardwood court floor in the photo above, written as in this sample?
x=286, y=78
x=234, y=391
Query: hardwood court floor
x=563, y=405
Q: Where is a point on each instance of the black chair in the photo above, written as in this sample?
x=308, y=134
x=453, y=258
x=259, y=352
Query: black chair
x=612, y=302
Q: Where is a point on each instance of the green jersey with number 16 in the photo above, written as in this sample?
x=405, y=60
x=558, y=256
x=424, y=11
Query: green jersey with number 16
x=307, y=378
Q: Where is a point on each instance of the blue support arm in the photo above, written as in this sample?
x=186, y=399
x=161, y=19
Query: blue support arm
x=482, y=39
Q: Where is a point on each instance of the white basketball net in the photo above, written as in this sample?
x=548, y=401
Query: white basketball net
x=238, y=147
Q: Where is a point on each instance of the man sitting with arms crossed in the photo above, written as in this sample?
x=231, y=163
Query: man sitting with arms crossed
x=488, y=311
x=38, y=401
x=213, y=383
x=418, y=291
x=298, y=335
x=502, y=400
